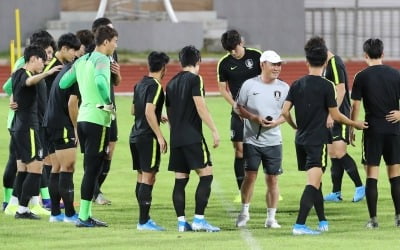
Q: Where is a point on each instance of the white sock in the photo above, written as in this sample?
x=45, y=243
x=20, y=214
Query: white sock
x=198, y=216
x=34, y=200
x=245, y=208
x=182, y=218
x=271, y=213
x=22, y=209
x=13, y=201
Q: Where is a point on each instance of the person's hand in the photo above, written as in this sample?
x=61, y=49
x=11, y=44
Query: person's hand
x=164, y=119
x=393, y=116
x=361, y=125
x=13, y=105
x=55, y=69
x=329, y=122
x=115, y=68
x=216, y=139
x=163, y=144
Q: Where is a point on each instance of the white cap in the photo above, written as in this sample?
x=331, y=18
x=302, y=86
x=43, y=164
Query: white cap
x=270, y=56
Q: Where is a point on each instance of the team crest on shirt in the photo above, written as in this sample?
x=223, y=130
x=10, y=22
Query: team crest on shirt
x=277, y=95
x=249, y=63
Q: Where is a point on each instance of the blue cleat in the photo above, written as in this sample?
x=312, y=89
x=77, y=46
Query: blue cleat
x=334, y=197
x=359, y=194
x=203, y=225
x=150, y=225
x=71, y=219
x=57, y=218
x=323, y=226
x=299, y=229
x=184, y=226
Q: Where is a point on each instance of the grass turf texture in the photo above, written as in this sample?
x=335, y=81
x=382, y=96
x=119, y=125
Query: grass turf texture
x=347, y=219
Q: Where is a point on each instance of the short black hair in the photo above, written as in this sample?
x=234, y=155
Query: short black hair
x=34, y=50
x=189, y=56
x=316, y=51
x=45, y=42
x=230, y=39
x=101, y=21
x=373, y=47
x=87, y=39
x=104, y=33
x=39, y=34
x=157, y=60
x=69, y=40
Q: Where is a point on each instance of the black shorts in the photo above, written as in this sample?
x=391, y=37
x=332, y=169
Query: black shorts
x=189, y=157
x=237, y=127
x=28, y=146
x=114, y=130
x=340, y=132
x=309, y=156
x=270, y=156
x=378, y=145
x=61, y=138
x=46, y=144
x=93, y=138
x=146, y=155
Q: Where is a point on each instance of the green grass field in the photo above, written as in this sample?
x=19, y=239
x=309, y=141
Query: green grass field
x=346, y=219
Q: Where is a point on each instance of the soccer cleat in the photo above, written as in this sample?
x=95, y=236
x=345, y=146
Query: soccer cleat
x=39, y=210
x=299, y=229
x=271, y=224
x=101, y=200
x=4, y=205
x=150, y=225
x=26, y=215
x=334, y=197
x=90, y=222
x=57, y=218
x=11, y=209
x=71, y=219
x=323, y=226
x=184, y=226
x=242, y=220
x=359, y=194
x=203, y=225
x=372, y=223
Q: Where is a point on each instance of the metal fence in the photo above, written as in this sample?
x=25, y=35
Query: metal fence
x=345, y=29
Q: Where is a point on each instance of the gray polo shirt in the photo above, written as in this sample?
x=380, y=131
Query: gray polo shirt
x=264, y=99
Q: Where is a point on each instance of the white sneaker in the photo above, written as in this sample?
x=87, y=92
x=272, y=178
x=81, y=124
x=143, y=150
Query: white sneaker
x=271, y=224
x=242, y=220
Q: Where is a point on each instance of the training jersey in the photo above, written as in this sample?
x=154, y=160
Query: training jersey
x=186, y=124
x=312, y=96
x=92, y=72
x=148, y=90
x=7, y=88
x=236, y=71
x=26, y=96
x=335, y=71
x=57, y=114
x=263, y=99
x=379, y=89
x=50, y=78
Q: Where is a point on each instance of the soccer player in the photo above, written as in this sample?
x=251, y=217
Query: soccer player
x=25, y=128
x=378, y=87
x=238, y=65
x=92, y=72
x=259, y=103
x=98, y=196
x=146, y=139
x=335, y=71
x=60, y=124
x=313, y=97
x=186, y=109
